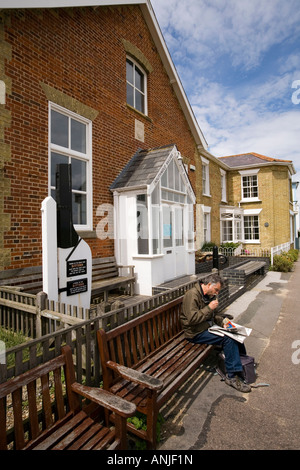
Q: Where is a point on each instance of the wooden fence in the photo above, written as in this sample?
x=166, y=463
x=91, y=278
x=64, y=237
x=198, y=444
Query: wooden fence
x=32, y=315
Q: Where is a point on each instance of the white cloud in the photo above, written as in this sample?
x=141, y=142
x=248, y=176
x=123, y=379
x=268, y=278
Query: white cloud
x=233, y=125
x=241, y=29
x=259, y=118
x=237, y=60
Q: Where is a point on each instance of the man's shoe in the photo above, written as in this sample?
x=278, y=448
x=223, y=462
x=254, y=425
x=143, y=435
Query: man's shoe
x=237, y=383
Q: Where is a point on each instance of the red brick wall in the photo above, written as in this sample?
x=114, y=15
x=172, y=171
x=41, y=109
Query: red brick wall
x=81, y=54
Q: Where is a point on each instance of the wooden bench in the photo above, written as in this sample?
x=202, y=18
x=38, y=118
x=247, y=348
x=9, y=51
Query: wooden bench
x=26, y=279
x=146, y=360
x=58, y=420
x=105, y=277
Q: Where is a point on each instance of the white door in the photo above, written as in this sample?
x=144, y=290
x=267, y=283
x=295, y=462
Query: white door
x=180, y=251
x=173, y=242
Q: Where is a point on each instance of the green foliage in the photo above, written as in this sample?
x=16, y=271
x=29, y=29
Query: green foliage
x=231, y=245
x=208, y=246
x=293, y=253
x=140, y=422
x=282, y=263
x=285, y=261
x=11, y=338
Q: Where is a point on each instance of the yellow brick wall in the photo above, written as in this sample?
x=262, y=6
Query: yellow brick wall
x=213, y=201
x=274, y=196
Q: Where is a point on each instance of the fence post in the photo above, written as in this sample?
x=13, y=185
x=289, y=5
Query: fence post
x=216, y=258
x=41, y=298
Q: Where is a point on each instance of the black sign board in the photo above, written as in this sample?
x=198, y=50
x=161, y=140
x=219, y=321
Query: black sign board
x=77, y=287
x=76, y=267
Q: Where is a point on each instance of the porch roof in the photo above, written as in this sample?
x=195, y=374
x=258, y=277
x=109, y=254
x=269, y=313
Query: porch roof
x=143, y=168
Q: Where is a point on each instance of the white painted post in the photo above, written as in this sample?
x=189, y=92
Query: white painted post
x=49, y=238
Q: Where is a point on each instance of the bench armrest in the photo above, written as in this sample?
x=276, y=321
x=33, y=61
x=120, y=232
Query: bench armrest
x=131, y=268
x=135, y=376
x=104, y=398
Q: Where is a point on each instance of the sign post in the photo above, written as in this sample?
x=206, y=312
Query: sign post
x=73, y=267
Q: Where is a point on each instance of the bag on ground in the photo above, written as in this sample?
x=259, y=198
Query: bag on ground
x=248, y=364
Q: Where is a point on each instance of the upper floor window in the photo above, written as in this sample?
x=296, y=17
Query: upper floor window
x=250, y=188
x=249, y=185
x=205, y=177
x=136, y=80
x=70, y=142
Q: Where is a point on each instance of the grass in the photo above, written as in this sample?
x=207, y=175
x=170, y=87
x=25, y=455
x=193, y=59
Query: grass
x=10, y=339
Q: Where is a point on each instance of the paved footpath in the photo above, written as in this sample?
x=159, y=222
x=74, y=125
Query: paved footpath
x=207, y=414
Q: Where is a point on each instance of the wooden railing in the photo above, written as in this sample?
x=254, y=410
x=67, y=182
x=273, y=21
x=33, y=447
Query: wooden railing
x=53, y=326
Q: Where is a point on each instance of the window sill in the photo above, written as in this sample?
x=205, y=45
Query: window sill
x=138, y=112
x=250, y=199
x=148, y=256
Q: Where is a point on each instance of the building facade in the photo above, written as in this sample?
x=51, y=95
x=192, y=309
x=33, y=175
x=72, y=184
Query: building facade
x=90, y=86
x=260, y=211
x=95, y=87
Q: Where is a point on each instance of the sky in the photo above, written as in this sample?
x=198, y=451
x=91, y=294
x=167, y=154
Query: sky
x=239, y=64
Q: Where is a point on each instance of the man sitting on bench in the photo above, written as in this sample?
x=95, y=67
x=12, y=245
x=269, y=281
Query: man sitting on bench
x=198, y=314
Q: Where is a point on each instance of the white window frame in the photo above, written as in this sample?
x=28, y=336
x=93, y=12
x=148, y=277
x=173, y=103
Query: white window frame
x=136, y=65
x=172, y=195
x=252, y=213
x=249, y=173
x=86, y=157
x=206, y=224
x=223, y=185
x=205, y=177
x=232, y=217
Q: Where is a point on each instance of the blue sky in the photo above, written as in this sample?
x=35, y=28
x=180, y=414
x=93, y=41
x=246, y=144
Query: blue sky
x=238, y=61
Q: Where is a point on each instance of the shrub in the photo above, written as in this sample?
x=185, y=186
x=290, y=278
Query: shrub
x=231, y=245
x=293, y=254
x=208, y=246
x=282, y=263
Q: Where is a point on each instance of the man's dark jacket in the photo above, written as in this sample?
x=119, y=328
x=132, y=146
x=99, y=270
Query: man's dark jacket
x=196, y=315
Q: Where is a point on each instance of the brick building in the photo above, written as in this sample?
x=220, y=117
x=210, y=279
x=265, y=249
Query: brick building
x=260, y=210
x=88, y=86
x=94, y=86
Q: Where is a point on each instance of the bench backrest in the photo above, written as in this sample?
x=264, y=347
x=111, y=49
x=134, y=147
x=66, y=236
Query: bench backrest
x=134, y=341
x=31, y=278
x=104, y=268
x=34, y=401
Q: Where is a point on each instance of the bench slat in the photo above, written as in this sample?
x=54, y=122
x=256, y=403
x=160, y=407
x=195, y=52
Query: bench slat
x=151, y=344
x=50, y=425
x=105, y=277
